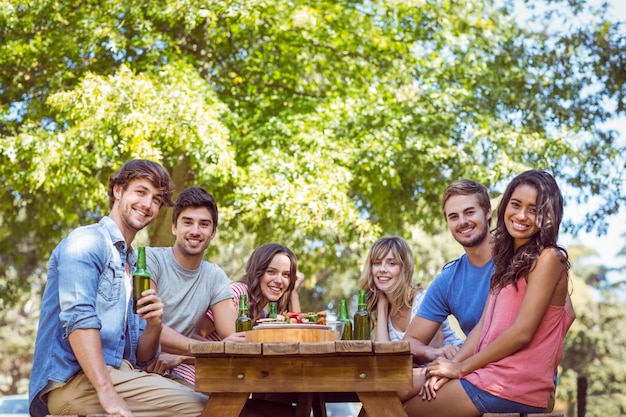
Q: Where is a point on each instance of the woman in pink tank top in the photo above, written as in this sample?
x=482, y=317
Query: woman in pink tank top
x=509, y=360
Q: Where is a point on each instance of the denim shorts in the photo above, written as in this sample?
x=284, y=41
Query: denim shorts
x=487, y=403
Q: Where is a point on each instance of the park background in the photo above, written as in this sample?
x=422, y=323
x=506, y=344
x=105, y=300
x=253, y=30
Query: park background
x=322, y=125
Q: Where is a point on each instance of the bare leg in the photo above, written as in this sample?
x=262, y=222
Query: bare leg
x=451, y=401
x=419, y=378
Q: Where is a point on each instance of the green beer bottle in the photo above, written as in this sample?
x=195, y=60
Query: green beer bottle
x=346, y=334
x=141, y=277
x=273, y=310
x=362, y=319
x=244, y=322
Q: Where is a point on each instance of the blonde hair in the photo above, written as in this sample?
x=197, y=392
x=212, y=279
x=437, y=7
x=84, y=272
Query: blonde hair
x=405, y=290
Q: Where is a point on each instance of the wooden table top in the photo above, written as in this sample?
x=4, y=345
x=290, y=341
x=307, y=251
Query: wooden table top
x=333, y=348
x=372, y=370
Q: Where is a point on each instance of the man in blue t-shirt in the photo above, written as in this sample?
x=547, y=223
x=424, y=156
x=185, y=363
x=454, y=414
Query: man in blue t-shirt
x=462, y=286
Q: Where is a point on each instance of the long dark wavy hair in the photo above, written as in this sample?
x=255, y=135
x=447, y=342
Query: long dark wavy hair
x=511, y=265
x=255, y=268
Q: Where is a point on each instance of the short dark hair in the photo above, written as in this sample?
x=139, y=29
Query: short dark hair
x=142, y=168
x=195, y=197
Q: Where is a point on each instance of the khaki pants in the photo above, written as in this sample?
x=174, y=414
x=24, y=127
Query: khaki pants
x=147, y=395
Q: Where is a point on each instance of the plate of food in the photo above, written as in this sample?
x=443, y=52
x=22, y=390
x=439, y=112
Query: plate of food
x=310, y=318
x=288, y=329
x=285, y=325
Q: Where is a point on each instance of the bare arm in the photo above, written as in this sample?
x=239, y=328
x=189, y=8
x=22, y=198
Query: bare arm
x=204, y=328
x=547, y=285
x=437, y=380
x=152, y=312
x=174, y=342
x=419, y=334
x=88, y=351
x=543, y=289
x=224, y=315
x=294, y=298
x=171, y=341
x=382, y=315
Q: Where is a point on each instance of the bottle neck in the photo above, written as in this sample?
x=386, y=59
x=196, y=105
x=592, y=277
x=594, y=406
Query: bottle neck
x=343, y=311
x=243, y=305
x=362, y=305
x=141, y=262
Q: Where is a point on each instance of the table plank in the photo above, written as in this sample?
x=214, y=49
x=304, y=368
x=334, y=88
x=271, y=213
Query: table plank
x=382, y=404
x=225, y=404
x=304, y=404
x=392, y=348
x=303, y=374
x=352, y=347
x=206, y=348
x=373, y=372
x=273, y=349
x=317, y=348
x=247, y=349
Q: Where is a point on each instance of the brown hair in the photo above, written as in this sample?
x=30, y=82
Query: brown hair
x=467, y=187
x=255, y=268
x=142, y=168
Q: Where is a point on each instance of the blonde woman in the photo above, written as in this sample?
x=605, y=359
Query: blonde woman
x=392, y=297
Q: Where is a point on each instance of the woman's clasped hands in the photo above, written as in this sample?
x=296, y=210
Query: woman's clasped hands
x=438, y=372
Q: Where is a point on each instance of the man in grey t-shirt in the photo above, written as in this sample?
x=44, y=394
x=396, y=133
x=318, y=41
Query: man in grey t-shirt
x=187, y=284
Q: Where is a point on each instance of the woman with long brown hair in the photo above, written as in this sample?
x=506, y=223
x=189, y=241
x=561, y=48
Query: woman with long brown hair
x=509, y=360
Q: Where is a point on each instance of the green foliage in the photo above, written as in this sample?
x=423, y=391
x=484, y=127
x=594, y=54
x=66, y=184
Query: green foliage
x=595, y=344
x=18, y=327
x=594, y=349
x=322, y=125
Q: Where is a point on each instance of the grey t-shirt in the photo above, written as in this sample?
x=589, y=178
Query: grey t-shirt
x=186, y=294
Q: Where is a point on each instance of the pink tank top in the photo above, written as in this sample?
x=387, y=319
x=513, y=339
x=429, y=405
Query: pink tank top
x=526, y=376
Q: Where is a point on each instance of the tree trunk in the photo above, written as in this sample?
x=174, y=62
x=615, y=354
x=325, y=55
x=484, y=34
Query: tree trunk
x=162, y=229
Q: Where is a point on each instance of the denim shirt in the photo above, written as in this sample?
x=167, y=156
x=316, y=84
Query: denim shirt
x=85, y=290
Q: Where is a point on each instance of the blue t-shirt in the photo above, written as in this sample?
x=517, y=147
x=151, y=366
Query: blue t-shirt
x=460, y=289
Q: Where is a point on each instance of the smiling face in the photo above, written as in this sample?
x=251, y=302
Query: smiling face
x=467, y=221
x=194, y=231
x=275, y=279
x=386, y=272
x=520, y=215
x=136, y=206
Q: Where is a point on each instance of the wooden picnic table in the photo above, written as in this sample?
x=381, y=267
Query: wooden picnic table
x=372, y=370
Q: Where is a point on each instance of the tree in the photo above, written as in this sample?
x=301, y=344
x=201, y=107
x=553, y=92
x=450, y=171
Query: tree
x=18, y=328
x=320, y=125
x=594, y=346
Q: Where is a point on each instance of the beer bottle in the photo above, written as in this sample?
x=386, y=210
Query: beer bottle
x=273, y=310
x=346, y=334
x=244, y=322
x=141, y=277
x=362, y=319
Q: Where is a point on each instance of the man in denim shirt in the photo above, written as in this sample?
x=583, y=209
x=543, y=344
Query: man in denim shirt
x=89, y=340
